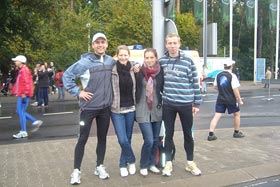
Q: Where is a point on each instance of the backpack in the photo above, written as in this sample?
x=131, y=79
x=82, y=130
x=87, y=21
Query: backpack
x=161, y=154
x=60, y=79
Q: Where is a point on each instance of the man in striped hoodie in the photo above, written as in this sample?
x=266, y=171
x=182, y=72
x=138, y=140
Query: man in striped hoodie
x=181, y=94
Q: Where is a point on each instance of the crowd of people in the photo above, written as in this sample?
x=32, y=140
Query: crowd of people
x=152, y=94
x=27, y=86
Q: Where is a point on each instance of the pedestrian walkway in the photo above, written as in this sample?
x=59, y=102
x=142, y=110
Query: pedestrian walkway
x=223, y=162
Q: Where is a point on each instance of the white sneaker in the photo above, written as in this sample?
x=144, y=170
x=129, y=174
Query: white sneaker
x=101, y=172
x=154, y=169
x=132, y=169
x=124, y=172
x=167, y=169
x=34, y=104
x=21, y=134
x=37, y=124
x=144, y=172
x=76, y=177
x=191, y=167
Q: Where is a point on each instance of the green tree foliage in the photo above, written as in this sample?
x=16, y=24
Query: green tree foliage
x=188, y=30
x=46, y=30
x=125, y=22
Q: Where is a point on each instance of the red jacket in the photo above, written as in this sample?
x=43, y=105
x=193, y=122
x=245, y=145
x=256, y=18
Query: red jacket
x=24, y=82
x=57, y=78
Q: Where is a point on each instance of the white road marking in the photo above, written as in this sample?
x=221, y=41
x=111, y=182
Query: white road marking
x=58, y=113
x=256, y=97
x=6, y=117
x=210, y=101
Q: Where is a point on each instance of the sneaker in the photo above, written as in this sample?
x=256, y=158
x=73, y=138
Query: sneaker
x=21, y=134
x=76, y=177
x=154, y=169
x=144, y=172
x=239, y=134
x=34, y=104
x=101, y=172
x=191, y=167
x=167, y=169
x=212, y=138
x=37, y=124
x=124, y=172
x=132, y=169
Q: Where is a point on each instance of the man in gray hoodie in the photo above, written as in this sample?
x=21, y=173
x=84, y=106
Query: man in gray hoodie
x=95, y=99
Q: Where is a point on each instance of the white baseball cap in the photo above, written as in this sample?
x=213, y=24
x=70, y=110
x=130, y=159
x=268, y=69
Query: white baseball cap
x=98, y=35
x=20, y=58
x=229, y=63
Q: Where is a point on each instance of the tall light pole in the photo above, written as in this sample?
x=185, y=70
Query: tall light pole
x=277, y=42
x=205, y=38
x=230, y=29
x=158, y=26
x=88, y=26
x=255, y=41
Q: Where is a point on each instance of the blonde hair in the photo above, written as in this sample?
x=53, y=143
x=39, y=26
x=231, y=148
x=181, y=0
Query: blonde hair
x=171, y=35
x=122, y=47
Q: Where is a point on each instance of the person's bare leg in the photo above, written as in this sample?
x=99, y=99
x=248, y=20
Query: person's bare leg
x=236, y=120
x=215, y=121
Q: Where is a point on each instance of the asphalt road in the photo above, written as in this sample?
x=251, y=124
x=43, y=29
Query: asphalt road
x=261, y=108
x=266, y=182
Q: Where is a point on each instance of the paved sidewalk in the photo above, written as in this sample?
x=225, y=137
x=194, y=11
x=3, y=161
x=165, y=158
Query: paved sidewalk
x=223, y=162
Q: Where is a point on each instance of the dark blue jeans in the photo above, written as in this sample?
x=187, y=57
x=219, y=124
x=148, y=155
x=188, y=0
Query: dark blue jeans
x=150, y=133
x=123, y=124
x=186, y=118
x=43, y=95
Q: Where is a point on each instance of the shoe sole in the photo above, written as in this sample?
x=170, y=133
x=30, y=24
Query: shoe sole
x=75, y=183
x=195, y=174
x=166, y=174
x=19, y=137
x=212, y=139
x=156, y=173
x=143, y=175
x=97, y=174
x=36, y=128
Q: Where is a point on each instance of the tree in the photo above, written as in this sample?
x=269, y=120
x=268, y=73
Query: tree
x=125, y=22
x=188, y=30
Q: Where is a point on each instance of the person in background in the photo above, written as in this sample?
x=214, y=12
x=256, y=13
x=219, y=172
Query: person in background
x=237, y=73
x=59, y=84
x=23, y=89
x=35, y=80
x=204, y=76
x=181, y=94
x=43, y=85
x=123, y=108
x=228, y=99
x=268, y=76
x=52, y=78
x=149, y=87
x=95, y=99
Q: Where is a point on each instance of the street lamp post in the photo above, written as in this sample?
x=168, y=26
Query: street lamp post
x=88, y=26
